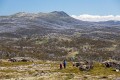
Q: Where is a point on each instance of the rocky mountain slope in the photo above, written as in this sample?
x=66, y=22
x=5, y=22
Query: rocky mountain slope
x=56, y=35
x=24, y=24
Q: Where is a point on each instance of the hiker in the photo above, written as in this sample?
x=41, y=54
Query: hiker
x=60, y=65
x=64, y=63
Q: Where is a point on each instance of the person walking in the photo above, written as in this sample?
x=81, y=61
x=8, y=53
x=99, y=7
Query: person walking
x=60, y=65
x=64, y=63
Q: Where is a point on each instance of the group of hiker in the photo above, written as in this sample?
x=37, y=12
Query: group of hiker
x=63, y=65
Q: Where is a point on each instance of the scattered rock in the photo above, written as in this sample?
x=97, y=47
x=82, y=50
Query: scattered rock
x=21, y=59
x=84, y=66
x=112, y=63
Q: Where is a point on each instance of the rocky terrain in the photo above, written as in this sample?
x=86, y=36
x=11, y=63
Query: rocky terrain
x=56, y=36
x=30, y=24
x=44, y=70
x=52, y=37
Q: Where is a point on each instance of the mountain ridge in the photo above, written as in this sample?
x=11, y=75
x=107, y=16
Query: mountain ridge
x=59, y=22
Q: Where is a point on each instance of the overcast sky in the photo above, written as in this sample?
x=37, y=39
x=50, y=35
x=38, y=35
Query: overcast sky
x=90, y=10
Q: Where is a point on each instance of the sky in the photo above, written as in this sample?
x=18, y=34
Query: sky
x=80, y=9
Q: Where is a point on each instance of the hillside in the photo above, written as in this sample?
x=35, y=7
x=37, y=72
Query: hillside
x=56, y=35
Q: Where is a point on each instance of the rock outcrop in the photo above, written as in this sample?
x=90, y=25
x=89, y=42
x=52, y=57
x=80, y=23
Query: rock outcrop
x=21, y=59
x=112, y=63
x=84, y=66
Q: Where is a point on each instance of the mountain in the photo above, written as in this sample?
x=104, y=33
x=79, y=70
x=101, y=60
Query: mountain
x=111, y=22
x=28, y=24
x=56, y=35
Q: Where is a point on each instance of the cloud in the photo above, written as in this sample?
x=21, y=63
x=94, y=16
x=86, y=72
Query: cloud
x=96, y=18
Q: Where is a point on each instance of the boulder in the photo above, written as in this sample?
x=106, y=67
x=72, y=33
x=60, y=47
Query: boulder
x=77, y=64
x=112, y=63
x=84, y=66
x=21, y=59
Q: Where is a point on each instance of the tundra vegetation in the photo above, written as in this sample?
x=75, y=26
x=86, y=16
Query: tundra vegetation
x=50, y=38
x=43, y=70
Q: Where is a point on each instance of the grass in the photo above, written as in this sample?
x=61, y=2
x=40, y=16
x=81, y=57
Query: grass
x=65, y=74
x=98, y=70
x=69, y=69
x=69, y=76
x=10, y=64
x=6, y=76
x=8, y=71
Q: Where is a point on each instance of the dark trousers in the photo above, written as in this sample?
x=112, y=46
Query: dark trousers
x=60, y=66
x=64, y=65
